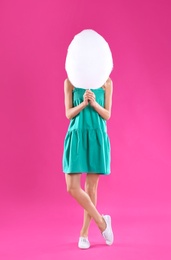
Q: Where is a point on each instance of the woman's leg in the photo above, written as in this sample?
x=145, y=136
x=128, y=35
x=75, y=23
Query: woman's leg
x=91, y=185
x=74, y=188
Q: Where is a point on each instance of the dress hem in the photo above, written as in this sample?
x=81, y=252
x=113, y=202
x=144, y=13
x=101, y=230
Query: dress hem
x=85, y=172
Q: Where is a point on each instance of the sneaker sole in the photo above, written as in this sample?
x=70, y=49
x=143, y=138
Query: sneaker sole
x=110, y=224
x=83, y=247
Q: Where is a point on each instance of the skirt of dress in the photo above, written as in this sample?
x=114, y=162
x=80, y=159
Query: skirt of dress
x=87, y=151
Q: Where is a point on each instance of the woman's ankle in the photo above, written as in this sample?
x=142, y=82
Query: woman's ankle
x=102, y=224
x=83, y=233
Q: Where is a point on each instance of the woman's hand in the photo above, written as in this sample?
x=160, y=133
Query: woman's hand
x=85, y=98
x=91, y=97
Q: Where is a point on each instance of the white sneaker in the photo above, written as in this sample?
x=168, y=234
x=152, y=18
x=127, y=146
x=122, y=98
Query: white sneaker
x=108, y=233
x=83, y=243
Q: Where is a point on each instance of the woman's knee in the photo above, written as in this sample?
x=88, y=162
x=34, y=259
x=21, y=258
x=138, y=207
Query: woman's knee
x=72, y=184
x=91, y=186
x=71, y=189
x=91, y=189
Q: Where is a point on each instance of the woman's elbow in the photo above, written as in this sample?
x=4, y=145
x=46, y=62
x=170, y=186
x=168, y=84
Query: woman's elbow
x=67, y=115
x=108, y=116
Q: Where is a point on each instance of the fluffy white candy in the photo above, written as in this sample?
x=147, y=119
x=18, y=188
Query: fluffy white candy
x=89, y=60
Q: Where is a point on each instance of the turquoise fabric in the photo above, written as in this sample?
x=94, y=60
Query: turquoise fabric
x=87, y=146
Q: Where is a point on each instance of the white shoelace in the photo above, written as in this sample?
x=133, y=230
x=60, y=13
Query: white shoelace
x=84, y=240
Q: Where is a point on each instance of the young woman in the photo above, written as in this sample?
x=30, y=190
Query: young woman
x=87, y=150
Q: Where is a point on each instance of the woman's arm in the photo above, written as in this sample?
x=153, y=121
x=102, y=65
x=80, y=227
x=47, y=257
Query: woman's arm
x=70, y=111
x=105, y=112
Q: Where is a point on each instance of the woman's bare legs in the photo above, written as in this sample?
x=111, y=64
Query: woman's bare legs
x=74, y=188
x=91, y=185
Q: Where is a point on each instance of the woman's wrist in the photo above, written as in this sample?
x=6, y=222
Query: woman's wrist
x=84, y=104
x=94, y=104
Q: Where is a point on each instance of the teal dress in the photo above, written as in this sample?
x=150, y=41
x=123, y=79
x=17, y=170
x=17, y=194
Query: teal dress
x=86, y=145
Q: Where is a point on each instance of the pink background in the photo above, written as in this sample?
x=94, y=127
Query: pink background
x=38, y=218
